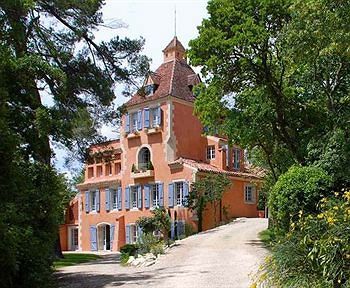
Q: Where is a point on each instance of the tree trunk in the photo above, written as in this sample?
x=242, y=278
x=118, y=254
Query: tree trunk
x=58, y=249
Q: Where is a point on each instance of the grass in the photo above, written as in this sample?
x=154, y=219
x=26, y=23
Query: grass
x=74, y=259
x=266, y=236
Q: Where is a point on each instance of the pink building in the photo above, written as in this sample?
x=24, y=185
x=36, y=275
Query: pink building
x=161, y=151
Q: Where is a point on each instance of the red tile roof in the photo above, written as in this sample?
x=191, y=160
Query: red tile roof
x=174, y=43
x=205, y=167
x=172, y=78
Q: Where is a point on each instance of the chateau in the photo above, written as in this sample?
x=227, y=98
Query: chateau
x=161, y=151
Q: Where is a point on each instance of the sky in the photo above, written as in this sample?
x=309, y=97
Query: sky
x=154, y=20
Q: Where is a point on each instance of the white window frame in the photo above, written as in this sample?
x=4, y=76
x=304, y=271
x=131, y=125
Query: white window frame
x=133, y=191
x=133, y=233
x=114, y=196
x=93, y=200
x=154, y=118
x=210, y=152
x=134, y=121
x=249, y=194
x=236, y=156
x=178, y=200
x=154, y=192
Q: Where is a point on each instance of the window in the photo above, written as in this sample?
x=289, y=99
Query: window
x=211, y=152
x=236, y=158
x=93, y=197
x=134, y=121
x=74, y=238
x=155, y=195
x=133, y=233
x=249, y=194
x=133, y=196
x=114, y=197
x=90, y=172
x=144, y=158
x=117, y=168
x=155, y=117
x=178, y=193
x=99, y=171
x=149, y=89
x=108, y=168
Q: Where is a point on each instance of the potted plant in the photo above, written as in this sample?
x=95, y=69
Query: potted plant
x=150, y=166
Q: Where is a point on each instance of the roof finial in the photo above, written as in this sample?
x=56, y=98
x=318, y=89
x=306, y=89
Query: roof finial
x=175, y=19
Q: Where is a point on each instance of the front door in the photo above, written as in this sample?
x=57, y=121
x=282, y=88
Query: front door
x=104, y=237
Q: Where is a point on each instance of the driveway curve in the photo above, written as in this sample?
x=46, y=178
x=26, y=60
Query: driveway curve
x=222, y=257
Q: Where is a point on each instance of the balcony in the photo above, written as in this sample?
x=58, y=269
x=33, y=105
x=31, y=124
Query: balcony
x=142, y=174
x=153, y=130
x=144, y=170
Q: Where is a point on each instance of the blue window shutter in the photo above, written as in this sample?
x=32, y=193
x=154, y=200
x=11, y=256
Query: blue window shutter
x=127, y=198
x=139, y=120
x=93, y=238
x=159, y=114
x=87, y=201
x=146, y=117
x=127, y=234
x=161, y=194
x=127, y=123
x=185, y=193
x=98, y=200
x=119, y=195
x=147, y=195
x=139, y=232
x=139, y=197
x=111, y=236
x=107, y=196
x=172, y=230
x=171, y=195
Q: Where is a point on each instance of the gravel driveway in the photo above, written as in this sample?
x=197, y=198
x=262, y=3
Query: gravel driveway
x=221, y=257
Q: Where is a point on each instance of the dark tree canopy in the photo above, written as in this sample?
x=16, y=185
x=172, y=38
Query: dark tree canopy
x=277, y=80
x=56, y=86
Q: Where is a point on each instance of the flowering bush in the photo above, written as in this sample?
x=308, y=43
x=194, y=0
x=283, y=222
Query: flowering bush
x=316, y=251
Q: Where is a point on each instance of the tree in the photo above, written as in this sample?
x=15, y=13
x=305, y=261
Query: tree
x=56, y=86
x=207, y=190
x=277, y=79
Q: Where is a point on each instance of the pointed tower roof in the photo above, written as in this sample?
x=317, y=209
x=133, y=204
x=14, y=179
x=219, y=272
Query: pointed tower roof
x=174, y=77
x=174, y=44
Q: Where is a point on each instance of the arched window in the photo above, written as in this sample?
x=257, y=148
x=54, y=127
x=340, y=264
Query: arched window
x=144, y=159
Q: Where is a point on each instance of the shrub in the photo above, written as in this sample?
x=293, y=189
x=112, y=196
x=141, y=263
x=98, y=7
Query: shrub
x=158, y=248
x=124, y=257
x=145, y=242
x=300, y=188
x=188, y=229
x=315, y=253
x=130, y=249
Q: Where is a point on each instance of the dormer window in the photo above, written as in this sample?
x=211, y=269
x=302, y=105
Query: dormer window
x=149, y=89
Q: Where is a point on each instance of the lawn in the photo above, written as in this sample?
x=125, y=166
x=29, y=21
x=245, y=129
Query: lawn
x=74, y=259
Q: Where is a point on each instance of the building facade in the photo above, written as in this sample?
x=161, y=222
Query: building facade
x=161, y=151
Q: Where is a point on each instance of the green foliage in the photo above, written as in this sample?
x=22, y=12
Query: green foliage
x=133, y=168
x=74, y=259
x=277, y=81
x=130, y=249
x=146, y=242
x=56, y=86
x=158, y=248
x=208, y=189
x=299, y=189
x=315, y=252
x=160, y=221
x=150, y=166
x=124, y=257
x=188, y=229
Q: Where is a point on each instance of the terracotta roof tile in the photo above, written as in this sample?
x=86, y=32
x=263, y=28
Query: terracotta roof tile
x=205, y=167
x=172, y=79
x=174, y=43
